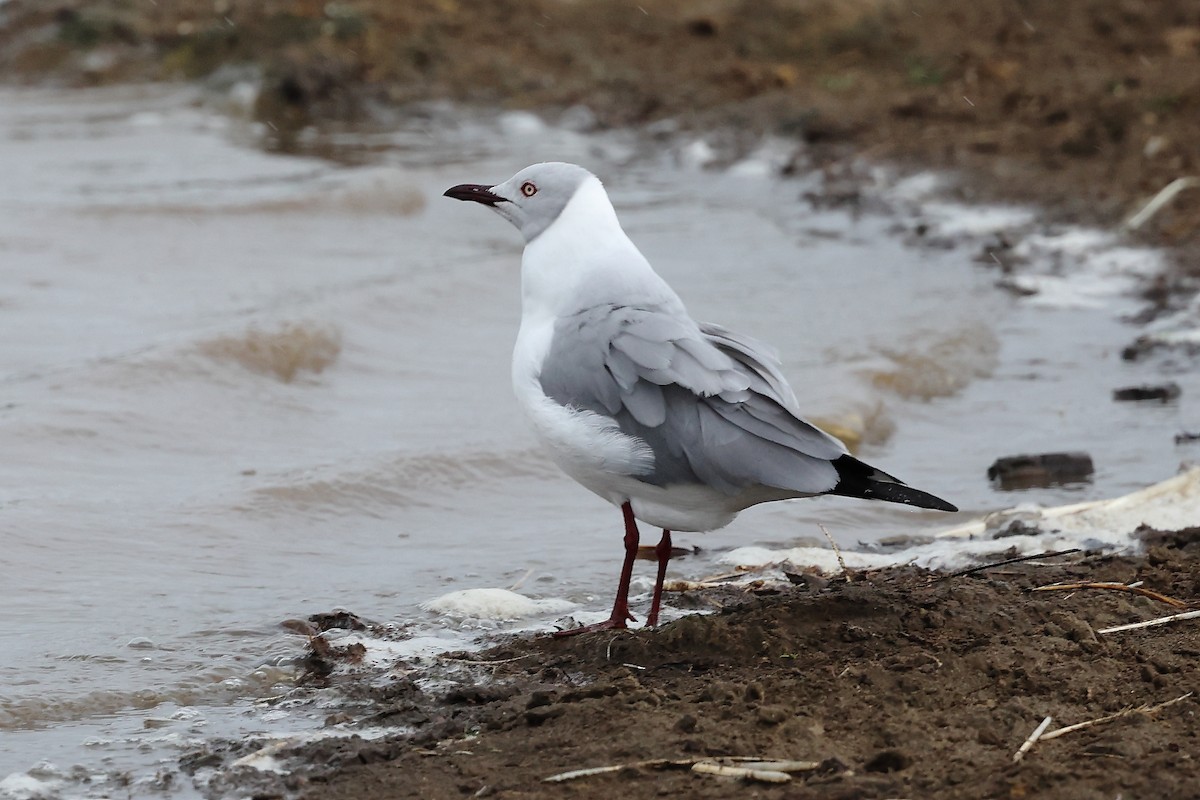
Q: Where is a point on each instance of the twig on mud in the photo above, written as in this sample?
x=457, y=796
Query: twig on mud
x=611, y=642
x=592, y=771
x=756, y=762
x=749, y=767
x=496, y=663
x=739, y=572
x=1033, y=737
x=1159, y=200
x=837, y=551
x=721, y=770
x=1125, y=712
x=681, y=585
x=1034, y=557
x=1118, y=587
x=1151, y=622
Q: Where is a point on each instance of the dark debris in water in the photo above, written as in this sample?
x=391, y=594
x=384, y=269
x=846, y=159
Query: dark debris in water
x=1040, y=470
x=1161, y=393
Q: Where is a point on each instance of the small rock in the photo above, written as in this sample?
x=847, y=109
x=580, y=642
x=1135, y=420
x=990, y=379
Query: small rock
x=338, y=618
x=536, y=716
x=772, y=715
x=1044, y=469
x=540, y=698
x=888, y=761
x=685, y=724
x=300, y=626
x=1163, y=393
x=809, y=580
x=703, y=27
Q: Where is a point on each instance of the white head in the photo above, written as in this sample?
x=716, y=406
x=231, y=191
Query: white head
x=533, y=198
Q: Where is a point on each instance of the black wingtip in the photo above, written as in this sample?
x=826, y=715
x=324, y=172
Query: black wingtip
x=856, y=479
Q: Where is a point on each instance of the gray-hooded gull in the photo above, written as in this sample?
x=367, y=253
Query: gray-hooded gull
x=681, y=424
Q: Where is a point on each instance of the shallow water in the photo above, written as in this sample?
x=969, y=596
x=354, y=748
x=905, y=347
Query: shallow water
x=239, y=388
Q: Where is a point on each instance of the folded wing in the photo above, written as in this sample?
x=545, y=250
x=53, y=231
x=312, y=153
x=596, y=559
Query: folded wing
x=712, y=405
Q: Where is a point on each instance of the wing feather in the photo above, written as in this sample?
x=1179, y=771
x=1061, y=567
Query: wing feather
x=712, y=405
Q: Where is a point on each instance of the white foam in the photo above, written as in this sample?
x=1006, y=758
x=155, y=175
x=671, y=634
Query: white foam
x=949, y=219
x=23, y=786
x=494, y=604
x=1099, y=524
x=696, y=154
x=917, y=187
x=819, y=557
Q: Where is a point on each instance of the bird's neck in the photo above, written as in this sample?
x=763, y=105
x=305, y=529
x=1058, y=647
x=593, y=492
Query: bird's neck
x=584, y=254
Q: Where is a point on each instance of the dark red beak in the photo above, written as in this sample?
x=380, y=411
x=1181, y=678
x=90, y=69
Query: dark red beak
x=475, y=193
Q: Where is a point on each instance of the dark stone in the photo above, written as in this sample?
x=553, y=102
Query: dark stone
x=1162, y=393
x=888, y=761
x=337, y=619
x=540, y=698
x=536, y=716
x=685, y=724
x=1044, y=469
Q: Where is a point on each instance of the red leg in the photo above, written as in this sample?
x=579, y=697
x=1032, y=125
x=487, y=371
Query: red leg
x=620, y=613
x=663, y=552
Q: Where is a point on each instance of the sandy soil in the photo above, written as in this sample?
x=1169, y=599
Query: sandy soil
x=898, y=683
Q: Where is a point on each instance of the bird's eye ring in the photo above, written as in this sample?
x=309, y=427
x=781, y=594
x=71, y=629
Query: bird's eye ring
x=528, y=189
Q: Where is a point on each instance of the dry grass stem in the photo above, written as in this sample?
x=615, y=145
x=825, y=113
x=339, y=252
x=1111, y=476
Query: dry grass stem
x=721, y=770
x=1125, y=712
x=837, y=551
x=1033, y=737
x=1018, y=559
x=1151, y=622
x=1166, y=195
x=681, y=585
x=748, y=767
x=1117, y=587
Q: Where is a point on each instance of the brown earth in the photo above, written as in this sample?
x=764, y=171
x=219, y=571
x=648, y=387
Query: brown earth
x=898, y=683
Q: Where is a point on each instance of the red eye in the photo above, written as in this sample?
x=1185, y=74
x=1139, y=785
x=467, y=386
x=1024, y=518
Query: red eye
x=528, y=189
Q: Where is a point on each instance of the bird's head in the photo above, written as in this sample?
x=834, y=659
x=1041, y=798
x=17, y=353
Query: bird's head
x=532, y=199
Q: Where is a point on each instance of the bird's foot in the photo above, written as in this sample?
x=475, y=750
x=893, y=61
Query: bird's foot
x=614, y=622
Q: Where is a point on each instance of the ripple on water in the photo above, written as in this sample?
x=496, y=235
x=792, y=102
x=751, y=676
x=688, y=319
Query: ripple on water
x=939, y=364
x=404, y=481
x=219, y=686
x=290, y=349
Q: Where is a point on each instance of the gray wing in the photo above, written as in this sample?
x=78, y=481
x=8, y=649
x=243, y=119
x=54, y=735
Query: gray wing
x=711, y=405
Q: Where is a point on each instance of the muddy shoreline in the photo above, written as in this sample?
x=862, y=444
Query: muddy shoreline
x=896, y=683
x=891, y=683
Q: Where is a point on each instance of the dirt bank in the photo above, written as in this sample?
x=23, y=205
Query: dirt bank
x=897, y=683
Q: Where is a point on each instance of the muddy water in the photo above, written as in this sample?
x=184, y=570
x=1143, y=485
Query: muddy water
x=237, y=388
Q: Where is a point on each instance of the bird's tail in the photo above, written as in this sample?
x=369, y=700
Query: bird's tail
x=856, y=479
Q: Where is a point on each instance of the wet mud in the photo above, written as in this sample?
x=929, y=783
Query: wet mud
x=891, y=683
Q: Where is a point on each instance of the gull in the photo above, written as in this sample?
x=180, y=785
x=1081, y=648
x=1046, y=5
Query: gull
x=680, y=424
